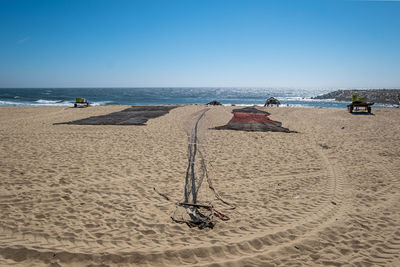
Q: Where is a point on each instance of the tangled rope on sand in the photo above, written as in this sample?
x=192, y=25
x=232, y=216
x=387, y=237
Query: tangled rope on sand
x=190, y=211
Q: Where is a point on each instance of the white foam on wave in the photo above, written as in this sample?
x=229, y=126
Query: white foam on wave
x=297, y=106
x=285, y=105
x=38, y=103
x=11, y=103
x=48, y=103
x=67, y=103
x=44, y=101
x=100, y=103
x=241, y=105
x=308, y=99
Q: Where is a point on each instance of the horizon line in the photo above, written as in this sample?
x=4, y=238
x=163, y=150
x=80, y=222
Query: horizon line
x=225, y=87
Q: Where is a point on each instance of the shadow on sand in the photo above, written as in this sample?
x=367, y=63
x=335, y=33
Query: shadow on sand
x=364, y=113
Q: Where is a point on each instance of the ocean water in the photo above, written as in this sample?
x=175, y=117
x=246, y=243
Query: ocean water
x=161, y=96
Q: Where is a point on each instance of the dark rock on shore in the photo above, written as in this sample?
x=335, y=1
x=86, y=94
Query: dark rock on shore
x=382, y=96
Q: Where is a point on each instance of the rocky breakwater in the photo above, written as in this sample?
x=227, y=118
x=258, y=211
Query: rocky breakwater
x=381, y=96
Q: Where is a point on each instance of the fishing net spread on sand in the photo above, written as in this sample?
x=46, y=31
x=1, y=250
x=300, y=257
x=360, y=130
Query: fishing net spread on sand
x=196, y=209
x=252, y=119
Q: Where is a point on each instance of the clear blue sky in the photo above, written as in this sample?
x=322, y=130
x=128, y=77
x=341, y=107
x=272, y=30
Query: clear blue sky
x=285, y=43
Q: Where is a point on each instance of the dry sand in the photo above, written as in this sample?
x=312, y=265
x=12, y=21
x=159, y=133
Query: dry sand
x=74, y=195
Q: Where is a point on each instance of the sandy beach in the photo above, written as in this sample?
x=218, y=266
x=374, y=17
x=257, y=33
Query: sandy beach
x=73, y=195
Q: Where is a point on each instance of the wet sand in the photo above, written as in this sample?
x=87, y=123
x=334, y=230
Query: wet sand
x=79, y=195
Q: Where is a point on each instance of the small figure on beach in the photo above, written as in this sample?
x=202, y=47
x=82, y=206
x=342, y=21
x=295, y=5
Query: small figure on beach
x=214, y=103
x=272, y=101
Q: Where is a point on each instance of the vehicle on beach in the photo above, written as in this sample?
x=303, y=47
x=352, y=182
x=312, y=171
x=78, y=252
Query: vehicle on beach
x=356, y=107
x=81, y=103
x=359, y=103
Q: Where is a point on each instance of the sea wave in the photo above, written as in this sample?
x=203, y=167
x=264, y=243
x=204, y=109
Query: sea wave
x=44, y=101
x=102, y=103
x=242, y=105
x=11, y=103
x=282, y=105
x=308, y=99
x=50, y=103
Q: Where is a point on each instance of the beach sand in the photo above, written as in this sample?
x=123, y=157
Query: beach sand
x=75, y=195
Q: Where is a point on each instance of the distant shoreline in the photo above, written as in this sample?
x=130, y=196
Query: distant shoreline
x=381, y=96
x=182, y=96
